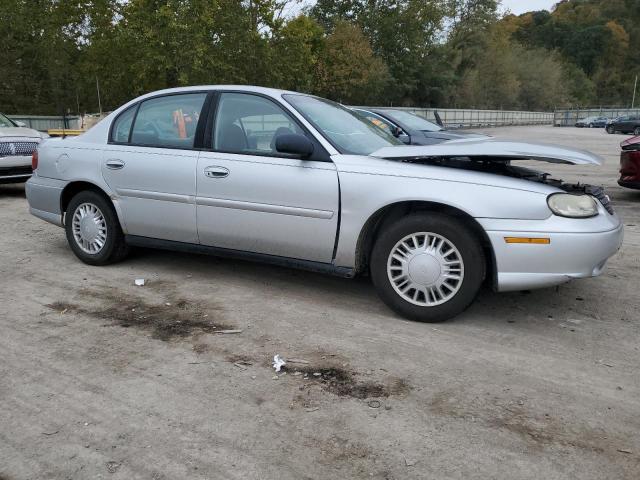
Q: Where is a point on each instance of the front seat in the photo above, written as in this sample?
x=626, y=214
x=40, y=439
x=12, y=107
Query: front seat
x=232, y=138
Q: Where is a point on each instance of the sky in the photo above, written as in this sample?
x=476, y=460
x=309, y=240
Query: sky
x=521, y=6
x=515, y=6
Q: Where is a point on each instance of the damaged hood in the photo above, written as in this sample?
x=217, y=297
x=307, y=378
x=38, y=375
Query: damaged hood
x=492, y=150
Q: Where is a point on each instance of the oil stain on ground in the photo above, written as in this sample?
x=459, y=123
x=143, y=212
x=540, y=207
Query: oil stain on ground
x=173, y=318
x=345, y=383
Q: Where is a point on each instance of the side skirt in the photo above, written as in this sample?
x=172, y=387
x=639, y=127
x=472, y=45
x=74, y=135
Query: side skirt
x=327, y=268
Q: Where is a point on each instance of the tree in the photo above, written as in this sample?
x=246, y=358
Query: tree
x=348, y=71
x=296, y=51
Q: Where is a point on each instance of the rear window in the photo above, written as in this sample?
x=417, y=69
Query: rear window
x=169, y=121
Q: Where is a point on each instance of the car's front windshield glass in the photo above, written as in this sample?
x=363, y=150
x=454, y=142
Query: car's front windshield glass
x=343, y=128
x=5, y=122
x=414, y=122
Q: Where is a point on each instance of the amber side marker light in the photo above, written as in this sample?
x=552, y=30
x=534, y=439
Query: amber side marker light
x=534, y=241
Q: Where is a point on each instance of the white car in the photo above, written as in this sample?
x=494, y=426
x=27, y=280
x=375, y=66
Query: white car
x=17, y=144
x=296, y=180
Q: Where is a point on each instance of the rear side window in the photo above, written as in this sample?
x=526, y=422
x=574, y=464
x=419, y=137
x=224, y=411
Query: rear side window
x=122, y=126
x=169, y=121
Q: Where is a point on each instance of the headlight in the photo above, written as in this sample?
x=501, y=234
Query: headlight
x=572, y=206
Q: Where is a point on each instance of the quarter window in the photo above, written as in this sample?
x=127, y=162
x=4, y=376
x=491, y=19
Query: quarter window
x=169, y=121
x=122, y=126
x=250, y=124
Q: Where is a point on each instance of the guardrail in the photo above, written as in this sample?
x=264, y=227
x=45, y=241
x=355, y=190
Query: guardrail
x=569, y=117
x=48, y=122
x=468, y=118
x=451, y=117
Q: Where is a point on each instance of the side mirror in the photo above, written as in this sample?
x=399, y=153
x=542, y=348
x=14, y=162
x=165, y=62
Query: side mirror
x=20, y=124
x=294, y=144
x=396, y=131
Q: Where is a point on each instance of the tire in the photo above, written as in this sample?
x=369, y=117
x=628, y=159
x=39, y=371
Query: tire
x=591, y=125
x=610, y=130
x=636, y=132
x=104, y=230
x=427, y=268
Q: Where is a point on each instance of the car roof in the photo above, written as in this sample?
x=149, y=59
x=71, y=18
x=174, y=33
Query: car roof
x=198, y=88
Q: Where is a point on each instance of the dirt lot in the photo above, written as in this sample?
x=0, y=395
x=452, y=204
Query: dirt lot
x=103, y=379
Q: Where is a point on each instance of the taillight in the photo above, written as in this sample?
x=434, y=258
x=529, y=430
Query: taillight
x=34, y=160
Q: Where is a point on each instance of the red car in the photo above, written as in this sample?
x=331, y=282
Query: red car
x=630, y=163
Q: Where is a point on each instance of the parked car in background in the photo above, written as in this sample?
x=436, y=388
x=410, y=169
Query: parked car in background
x=630, y=163
x=592, y=122
x=296, y=180
x=625, y=124
x=17, y=144
x=411, y=129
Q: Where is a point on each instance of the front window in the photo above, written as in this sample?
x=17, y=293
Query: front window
x=6, y=122
x=414, y=122
x=250, y=124
x=348, y=132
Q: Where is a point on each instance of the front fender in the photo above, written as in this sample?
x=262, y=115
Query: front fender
x=364, y=194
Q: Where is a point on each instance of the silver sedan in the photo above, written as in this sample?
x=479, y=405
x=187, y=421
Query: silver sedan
x=300, y=181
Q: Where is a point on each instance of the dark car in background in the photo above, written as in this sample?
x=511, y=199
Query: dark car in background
x=410, y=128
x=592, y=122
x=625, y=124
x=630, y=163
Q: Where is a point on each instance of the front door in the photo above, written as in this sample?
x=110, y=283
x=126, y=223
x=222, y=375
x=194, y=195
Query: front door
x=251, y=198
x=150, y=163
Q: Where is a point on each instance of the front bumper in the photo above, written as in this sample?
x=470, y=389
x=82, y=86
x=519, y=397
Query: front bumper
x=634, y=185
x=572, y=253
x=15, y=169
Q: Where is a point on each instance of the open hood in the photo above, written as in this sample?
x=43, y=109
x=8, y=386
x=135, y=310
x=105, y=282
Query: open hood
x=492, y=150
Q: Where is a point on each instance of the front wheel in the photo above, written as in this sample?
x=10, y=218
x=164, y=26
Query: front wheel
x=93, y=230
x=610, y=130
x=427, y=266
x=636, y=132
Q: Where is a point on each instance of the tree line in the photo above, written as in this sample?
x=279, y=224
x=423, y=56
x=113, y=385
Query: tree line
x=430, y=53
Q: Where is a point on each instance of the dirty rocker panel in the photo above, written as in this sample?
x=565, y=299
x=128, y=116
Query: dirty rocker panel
x=328, y=268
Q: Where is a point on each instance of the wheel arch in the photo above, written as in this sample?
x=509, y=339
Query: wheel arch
x=389, y=213
x=73, y=188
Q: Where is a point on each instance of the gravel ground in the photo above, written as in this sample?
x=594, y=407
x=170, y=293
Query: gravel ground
x=103, y=379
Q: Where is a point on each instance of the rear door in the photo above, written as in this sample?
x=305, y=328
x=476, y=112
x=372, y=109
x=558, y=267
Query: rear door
x=150, y=163
x=254, y=199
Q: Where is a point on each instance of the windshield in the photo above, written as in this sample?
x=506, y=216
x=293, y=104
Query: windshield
x=5, y=122
x=343, y=128
x=414, y=122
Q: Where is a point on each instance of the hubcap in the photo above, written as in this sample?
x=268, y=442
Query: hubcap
x=89, y=228
x=425, y=269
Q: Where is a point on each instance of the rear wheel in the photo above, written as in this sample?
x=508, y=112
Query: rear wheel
x=93, y=230
x=427, y=266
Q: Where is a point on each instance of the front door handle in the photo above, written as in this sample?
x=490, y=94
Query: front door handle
x=114, y=164
x=216, y=172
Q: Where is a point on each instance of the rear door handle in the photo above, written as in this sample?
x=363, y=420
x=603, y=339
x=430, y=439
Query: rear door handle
x=114, y=164
x=216, y=172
